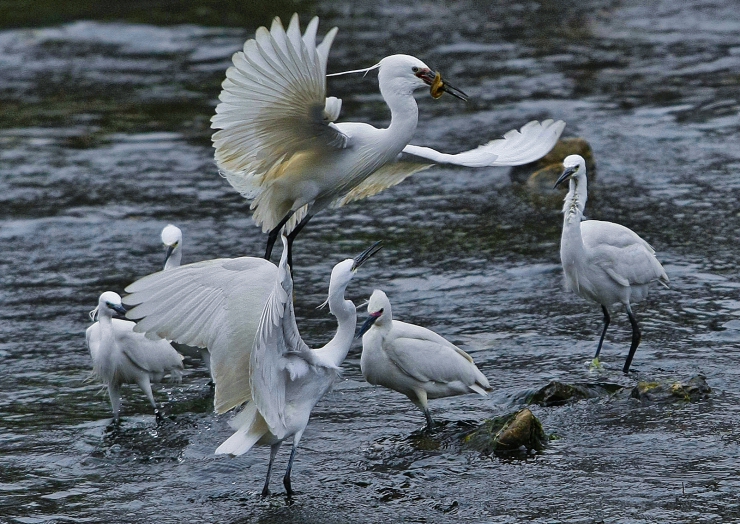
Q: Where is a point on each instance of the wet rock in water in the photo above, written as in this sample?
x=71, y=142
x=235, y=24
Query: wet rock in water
x=542, y=174
x=513, y=433
x=558, y=393
x=691, y=390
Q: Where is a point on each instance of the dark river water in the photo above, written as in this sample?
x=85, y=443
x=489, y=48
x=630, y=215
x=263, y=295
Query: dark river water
x=104, y=139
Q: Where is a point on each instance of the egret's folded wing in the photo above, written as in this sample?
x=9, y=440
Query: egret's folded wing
x=215, y=304
x=387, y=176
x=425, y=360
x=277, y=335
x=273, y=105
x=531, y=143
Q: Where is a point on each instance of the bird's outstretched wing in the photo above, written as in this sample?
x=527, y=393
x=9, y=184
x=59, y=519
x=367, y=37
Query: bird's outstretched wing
x=277, y=354
x=531, y=143
x=621, y=253
x=215, y=304
x=273, y=106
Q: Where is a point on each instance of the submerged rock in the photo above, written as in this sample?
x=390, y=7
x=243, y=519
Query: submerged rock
x=558, y=393
x=692, y=390
x=513, y=433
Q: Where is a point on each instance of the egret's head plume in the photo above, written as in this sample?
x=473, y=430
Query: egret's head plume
x=365, y=71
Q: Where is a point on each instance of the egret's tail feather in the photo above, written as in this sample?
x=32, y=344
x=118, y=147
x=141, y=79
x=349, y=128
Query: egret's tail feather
x=250, y=427
x=478, y=389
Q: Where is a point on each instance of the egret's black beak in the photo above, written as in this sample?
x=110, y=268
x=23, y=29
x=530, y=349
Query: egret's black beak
x=168, y=254
x=457, y=93
x=439, y=86
x=565, y=176
x=369, y=323
x=118, y=308
x=362, y=257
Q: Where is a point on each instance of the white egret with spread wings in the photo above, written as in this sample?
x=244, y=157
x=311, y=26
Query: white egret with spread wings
x=242, y=310
x=280, y=146
x=604, y=262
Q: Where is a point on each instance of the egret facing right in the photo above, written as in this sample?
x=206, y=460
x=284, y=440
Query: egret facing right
x=604, y=262
x=414, y=360
x=278, y=144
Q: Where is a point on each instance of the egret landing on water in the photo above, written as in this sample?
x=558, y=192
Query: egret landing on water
x=414, y=360
x=259, y=358
x=604, y=262
x=172, y=240
x=122, y=356
x=279, y=146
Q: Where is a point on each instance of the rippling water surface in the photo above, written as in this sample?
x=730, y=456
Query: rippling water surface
x=104, y=139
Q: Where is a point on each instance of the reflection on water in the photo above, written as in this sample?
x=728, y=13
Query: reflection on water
x=104, y=139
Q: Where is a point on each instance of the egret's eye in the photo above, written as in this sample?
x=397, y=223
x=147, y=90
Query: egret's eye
x=415, y=69
x=109, y=305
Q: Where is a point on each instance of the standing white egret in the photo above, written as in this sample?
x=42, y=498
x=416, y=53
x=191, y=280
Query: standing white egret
x=278, y=144
x=604, y=262
x=172, y=240
x=122, y=356
x=266, y=361
x=414, y=360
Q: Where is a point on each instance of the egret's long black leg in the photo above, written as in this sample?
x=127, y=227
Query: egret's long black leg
x=292, y=235
x=607, y=319
x=286, y=478
x=636, y=337
x=273, y=451
x=430, y=421
x=273, y=234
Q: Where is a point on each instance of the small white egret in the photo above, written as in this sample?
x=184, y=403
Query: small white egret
x=604, y=262
x=243, y=310
x=122, y=356
x=172, y=240
x=278, y=144
x=414, y=360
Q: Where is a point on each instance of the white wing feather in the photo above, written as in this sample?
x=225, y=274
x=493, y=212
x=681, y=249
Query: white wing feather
x=273, y=105
x=215, y=304
x=531, y=143
x=276, y=346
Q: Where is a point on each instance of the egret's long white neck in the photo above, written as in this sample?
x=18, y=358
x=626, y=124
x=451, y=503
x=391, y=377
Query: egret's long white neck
x=571, y=241
x=575, y=200
x=404, y=111
x=338, y=347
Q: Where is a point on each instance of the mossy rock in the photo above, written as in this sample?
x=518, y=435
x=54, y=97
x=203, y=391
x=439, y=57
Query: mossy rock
x=691, y=390
x=558, y=393
x=513, y=433
x=537, y=175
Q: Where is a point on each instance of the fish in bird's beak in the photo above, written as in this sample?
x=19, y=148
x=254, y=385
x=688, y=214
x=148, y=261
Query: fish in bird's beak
x=439, y=86
x=362, y=257
x=369, y=323
x=565, y=176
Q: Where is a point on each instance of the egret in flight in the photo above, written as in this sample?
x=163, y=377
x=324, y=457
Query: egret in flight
x=414, y=360
x=122, y=356
x=604, y=262
x=279, y=145
x=242, y=309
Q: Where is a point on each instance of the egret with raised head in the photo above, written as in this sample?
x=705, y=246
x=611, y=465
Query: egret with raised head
x=604, y=262
x=122, y=356
x=258, y=358
x=414, y=360
x=279, y=146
